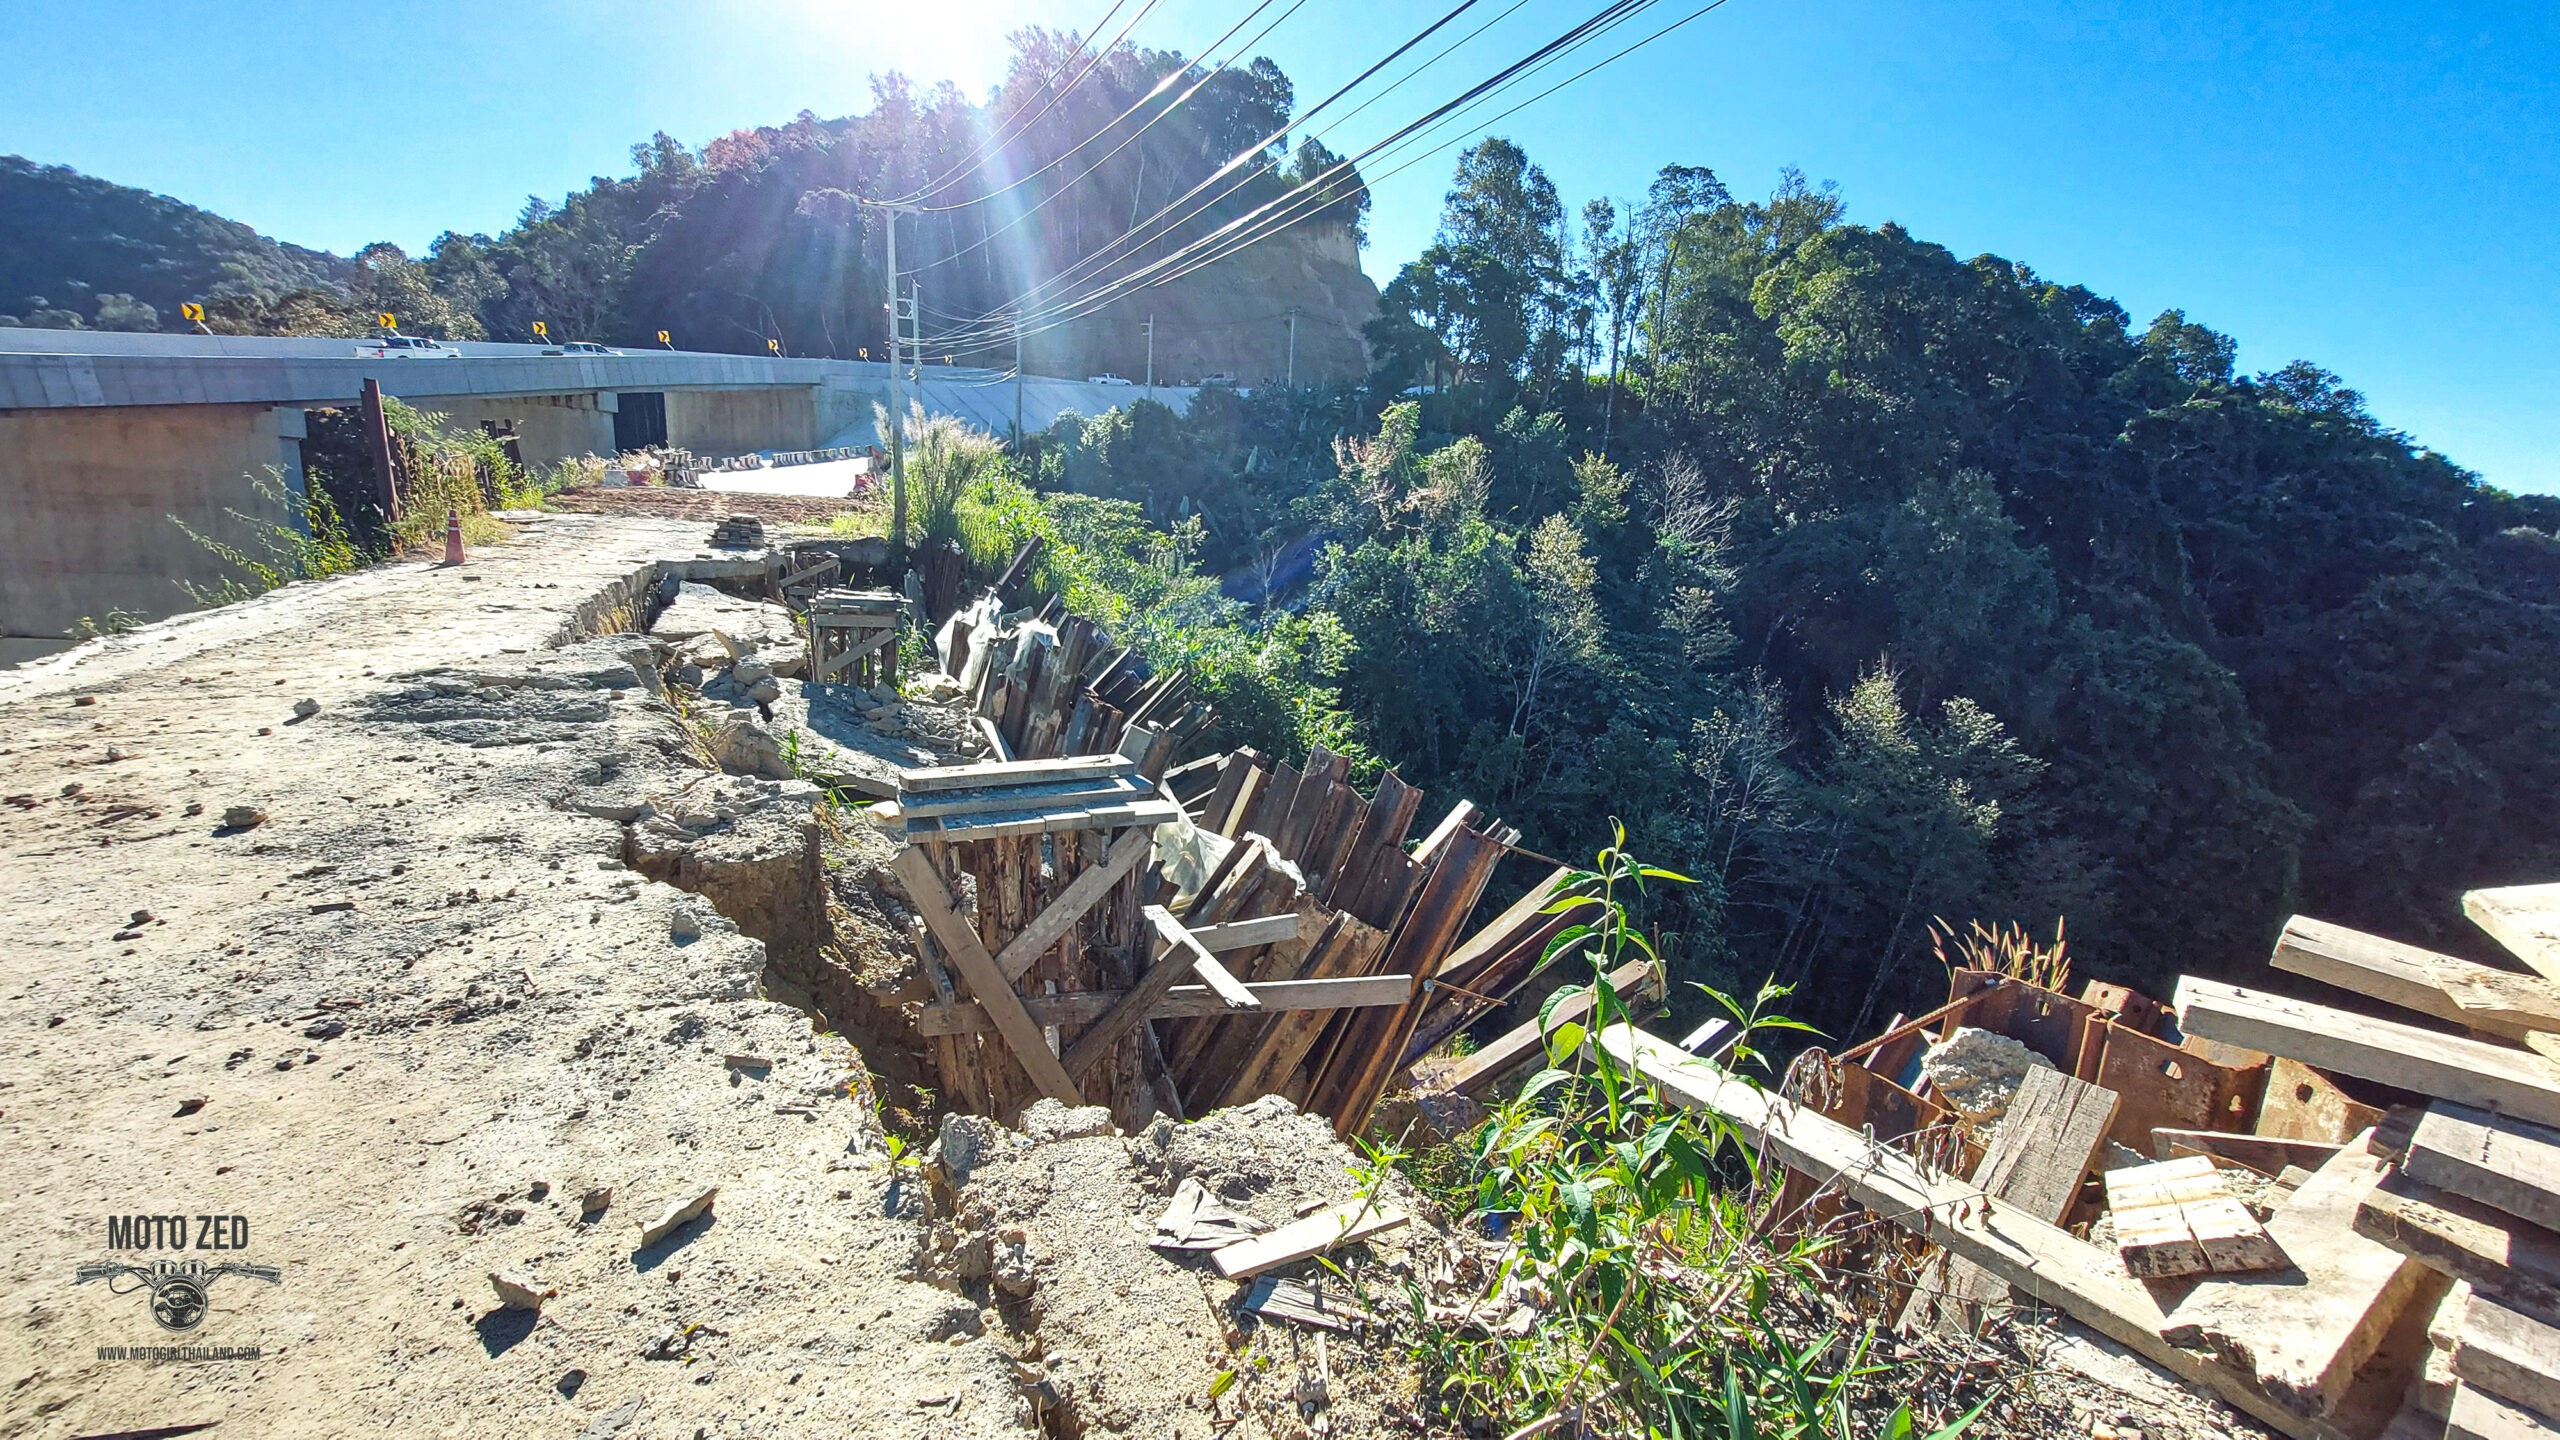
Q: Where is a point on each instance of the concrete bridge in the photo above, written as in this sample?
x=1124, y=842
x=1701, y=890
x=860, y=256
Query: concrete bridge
x=105, y=438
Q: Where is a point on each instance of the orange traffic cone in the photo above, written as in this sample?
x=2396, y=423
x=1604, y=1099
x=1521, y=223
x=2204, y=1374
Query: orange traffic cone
x=453, y=535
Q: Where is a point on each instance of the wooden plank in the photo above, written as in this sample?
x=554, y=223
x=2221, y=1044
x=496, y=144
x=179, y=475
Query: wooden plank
x=1065, y=794
x=2494, y=1159
x=1018, y=772
x=2306, y=1328
x=2510, y=1354
x=2514, y=1260
x=2178, y=1217
x=1272, y=997
x=2499, y=1002
x=1274, y=1298
x=1525, y=1042
x=2479, y=1415
x=2044, y=1147
x=2047, y=1263
x=2265, y=1154
x=1216, y=976
x=2525, y=919
x=1005, y=824
x=2468, y=1071
x=1082, y=893
x=987, y=984
x=1337, y=1225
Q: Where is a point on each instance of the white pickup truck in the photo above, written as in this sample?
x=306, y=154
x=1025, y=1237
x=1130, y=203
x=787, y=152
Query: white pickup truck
x=405, y=347
x=580, y=347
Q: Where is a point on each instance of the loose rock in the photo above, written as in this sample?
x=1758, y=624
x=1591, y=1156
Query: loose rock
x=243, y=817
x=677, y=1215
x=518, y=1293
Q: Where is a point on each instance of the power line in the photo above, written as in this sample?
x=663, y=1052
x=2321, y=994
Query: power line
x=994, y=146
x=1257, y=225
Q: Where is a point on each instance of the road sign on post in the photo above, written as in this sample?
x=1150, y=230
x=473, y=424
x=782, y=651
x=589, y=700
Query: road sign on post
x=387, y=320
x=663, y=340
x=773, y=345
x=541, y=330
x=192, y=311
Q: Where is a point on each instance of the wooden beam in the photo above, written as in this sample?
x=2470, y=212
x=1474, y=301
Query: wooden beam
x=2494, y=1159
x=1017, y=772
x=2500, y=1002
x=2515, y=1260
x=2509, y=1353
x=1339, y=1225
x=1113, y=790
x=1247, y=934
x=994, y=736
x=2468, y=1071
x=1130, y=1011
x=1003, y=824
x=1272, y=997
x=1082, y=893
x=2479, y=1415
x=1216, y=976
x=990, y=986
x=2049, y=1264
x=2525, y=919
x=2265, y=1154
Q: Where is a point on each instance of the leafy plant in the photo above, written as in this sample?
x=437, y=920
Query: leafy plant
x=1635, y=1294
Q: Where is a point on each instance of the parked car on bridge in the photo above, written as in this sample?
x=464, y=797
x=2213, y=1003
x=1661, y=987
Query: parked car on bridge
x=396, y=346
x=1218, y=377
x=1107, y=380
x=580, y=347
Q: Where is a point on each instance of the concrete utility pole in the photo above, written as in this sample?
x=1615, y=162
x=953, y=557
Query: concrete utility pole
x=1151, y=352
x=1017, y=389
x=896, y=437
x=1293, y=346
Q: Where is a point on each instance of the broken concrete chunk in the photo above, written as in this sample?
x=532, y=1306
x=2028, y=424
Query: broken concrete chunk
x=517, y=1293
x=677, y=1215
x=1977, y=1072
x=745, y=748
x=1045, y=1120
x=965, y=1142
x=243, y=817
x=683, y=928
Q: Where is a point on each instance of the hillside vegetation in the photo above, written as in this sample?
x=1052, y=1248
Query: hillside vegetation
x=1883, y=586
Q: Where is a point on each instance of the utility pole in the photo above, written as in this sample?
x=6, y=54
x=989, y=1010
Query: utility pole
x=1151, y=352
x=1293, y=347
x=1017, y=389
x=896, y=437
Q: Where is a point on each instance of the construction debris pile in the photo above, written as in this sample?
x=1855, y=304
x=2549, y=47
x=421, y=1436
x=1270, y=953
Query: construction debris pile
x=2342, y=1224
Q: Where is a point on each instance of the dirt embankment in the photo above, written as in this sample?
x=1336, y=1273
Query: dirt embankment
x=423, y=1021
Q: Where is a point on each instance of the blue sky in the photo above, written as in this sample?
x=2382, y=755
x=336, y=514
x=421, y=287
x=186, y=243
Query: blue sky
x=2372, y=187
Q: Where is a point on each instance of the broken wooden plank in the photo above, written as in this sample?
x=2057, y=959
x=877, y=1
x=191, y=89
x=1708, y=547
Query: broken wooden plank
x=2178, y=1217
x=1275, y=1298
x=2514, y=1260
x=2494, y=1159
x=2469, y=1071
x=2047, y=1263
x=987, y=983
x=2523, y=918
x=2265, y=1154
x=2509, y=1354
x=1017, y=772
x=1336, y=1225
x=2044, y=1147
x=1082, y=893
x=1216, y=976
x=2305, y=1328
x=2499, y=1002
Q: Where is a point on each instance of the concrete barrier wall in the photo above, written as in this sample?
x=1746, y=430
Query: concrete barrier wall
x=549, y=428
x=719, y=423
x=87, y=496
